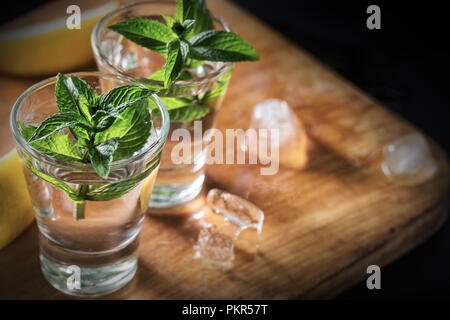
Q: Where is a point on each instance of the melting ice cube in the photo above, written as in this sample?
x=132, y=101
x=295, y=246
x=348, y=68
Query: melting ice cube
x=408, y=159
x=215, y=247
x=112, y=50
x=292, y=142
x=129, y=61
x=232, y=221
x=235, y=209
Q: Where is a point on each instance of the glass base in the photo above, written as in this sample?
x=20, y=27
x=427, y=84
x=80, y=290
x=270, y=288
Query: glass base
x=170, y=195
x=93, y=282
x=87, y=273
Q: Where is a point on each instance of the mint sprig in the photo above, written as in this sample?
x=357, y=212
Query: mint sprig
x=106, y=128
x=188, y=36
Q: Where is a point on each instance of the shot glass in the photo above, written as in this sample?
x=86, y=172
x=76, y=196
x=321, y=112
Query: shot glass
x=178, y=181
x=98, y=254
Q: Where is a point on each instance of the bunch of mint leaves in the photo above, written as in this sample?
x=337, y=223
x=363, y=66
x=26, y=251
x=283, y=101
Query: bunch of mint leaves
x=104, y=128
x=187, y=40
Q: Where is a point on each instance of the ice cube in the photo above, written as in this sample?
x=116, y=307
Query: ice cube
x=408, y=159
x=129, y=61
x=292, y=143
x=275, y=114
x=230, y=221
x=235, y=209
x=112, y=49
x=216, y=249
x=205, y=69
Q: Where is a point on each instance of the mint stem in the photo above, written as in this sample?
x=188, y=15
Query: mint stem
x=78, y=210
x=79, y=207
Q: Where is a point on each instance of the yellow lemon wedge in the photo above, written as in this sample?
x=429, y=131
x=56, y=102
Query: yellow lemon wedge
x=16, y=212
x=147, y=188
x=40, y=43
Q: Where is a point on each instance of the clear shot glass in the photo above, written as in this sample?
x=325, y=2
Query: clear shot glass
x=176, y=183
x=98, y=254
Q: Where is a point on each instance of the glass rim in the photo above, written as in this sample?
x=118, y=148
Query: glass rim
x=14, y=125
x=95, y=44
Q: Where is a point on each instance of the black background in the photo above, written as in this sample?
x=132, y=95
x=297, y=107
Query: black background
x=404, y=65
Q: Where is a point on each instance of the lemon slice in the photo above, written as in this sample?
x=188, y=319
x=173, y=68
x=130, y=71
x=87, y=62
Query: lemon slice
x=16, y=212
x=147, y=188
x=40, y=43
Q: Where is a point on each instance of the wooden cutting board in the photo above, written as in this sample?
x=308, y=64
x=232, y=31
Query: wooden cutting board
x=324, y=225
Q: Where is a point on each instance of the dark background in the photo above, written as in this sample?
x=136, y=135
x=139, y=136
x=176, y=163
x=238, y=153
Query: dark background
x=404, y=65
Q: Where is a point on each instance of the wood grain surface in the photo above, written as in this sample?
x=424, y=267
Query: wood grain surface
x=323, y=225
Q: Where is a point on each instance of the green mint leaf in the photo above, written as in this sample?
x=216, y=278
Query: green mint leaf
x=188, y=113
x=57, y=183
x=176, y=55
x=159, y=75
x=84, y=143
x=175, y=103
x=66, y=94
x=188, y=25
x=184, y=10
x=118, y=189
x=75, y=95
x=202, y=17
x=182, y=29
x=169, y=20
x=133, y=130
x=67, y=99
x=58, y=146
x=115, y=101
x=121, y=96
x=220, y=89
x=87, y=97
x=184, y=76
x=148, y=33
x=178, y=28
x=102, y=119
x=106, y=122
x=216, y=45
x=101, y=156
x=27, y=131
x=57, y=122
x=98, y=116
